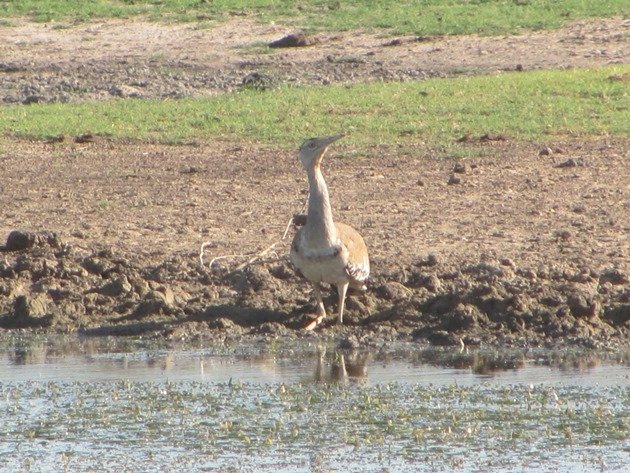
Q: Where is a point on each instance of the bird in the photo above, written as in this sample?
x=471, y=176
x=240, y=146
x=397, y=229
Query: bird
x=325, y=251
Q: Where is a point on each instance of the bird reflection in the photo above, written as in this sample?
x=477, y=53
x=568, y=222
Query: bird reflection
x=341, y=367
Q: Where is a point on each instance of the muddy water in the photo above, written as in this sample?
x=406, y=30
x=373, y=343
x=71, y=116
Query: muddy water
x=120, y=405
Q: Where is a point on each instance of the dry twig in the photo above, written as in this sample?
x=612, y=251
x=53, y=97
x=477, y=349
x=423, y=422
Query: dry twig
x=253, y=257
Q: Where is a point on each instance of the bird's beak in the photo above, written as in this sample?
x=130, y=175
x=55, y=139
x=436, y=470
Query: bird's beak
x=323, y=145
x=330, y=139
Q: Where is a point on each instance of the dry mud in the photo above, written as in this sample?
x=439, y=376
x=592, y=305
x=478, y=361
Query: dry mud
x=515, y=247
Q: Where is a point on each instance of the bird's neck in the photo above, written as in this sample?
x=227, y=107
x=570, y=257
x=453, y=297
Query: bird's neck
x=320, y=227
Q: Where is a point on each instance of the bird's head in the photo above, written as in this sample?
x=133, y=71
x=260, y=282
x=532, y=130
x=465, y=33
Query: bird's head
x=312, y=150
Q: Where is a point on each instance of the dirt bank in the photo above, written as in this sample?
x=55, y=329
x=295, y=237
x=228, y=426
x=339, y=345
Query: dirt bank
x=513, y=247
x=523, y=250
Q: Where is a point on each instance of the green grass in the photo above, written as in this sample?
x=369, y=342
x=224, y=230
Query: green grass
x=421, y=17
x=525, y=106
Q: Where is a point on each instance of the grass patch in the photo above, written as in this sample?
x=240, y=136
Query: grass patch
x=525, y=106
x=421, y=17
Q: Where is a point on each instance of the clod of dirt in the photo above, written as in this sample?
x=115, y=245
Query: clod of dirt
x=153, y=303
x=28, y=312
x=293, y=40
x=391, y=291
x=614, y=276
x=84, y=138
x=492, y=137
x=29, y=99
x=351, y=342
x=440, y=338
x=454, y=179
x=460, y=168
x=583, y=304
x=257, y=80
x=55, y=139
x=116, y=288
x=573, y=163
x=125, y=91
x=394, y=42
x=19, y=240
x=545, y=151
x=430, y=260
x=618, y=315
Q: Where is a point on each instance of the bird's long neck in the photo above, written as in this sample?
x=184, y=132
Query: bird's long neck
x=320, y=227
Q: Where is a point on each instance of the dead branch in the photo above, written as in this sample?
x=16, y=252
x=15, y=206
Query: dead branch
x=254, y=258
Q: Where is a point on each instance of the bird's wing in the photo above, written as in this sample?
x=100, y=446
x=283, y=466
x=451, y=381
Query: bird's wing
x=358, y=264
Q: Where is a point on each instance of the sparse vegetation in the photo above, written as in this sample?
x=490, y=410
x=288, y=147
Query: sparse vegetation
x=427, y=17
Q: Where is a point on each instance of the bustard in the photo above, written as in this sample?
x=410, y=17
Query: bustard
x=322, y=250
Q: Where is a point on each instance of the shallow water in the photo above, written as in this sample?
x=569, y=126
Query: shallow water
x=115, y=406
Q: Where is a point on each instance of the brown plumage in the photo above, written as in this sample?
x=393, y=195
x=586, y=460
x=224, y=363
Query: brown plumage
x=323, y=250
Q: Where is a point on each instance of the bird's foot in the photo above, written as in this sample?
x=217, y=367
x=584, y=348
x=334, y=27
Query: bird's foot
x=315, y=322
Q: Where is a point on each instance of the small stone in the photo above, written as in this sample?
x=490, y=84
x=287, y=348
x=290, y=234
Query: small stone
x=29, y=312
x=508, y=262
x=84, y=138
x=125, y=91
x=460, y=168
x=19, y=240
x=564, y=235
x=350, y=342
x=573, y=162
x=392, y=291
x=614, y=276
x=257, y=80
x=115, y=288
x=293, y=40
x=454, y=179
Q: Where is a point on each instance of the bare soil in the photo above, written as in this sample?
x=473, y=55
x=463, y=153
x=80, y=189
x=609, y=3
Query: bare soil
x=515, y=247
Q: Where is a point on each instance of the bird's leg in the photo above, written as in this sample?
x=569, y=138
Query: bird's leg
x=321, y=311
x=342, y=289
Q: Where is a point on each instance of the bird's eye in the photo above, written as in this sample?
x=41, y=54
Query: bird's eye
x=312, y=145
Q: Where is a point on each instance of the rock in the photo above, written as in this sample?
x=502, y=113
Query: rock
x=125, y=91
x=257, y=80
x=19, y=240
x=583, y=305
x=225, y=324
x=430, y=260
x=613, y=276
x=150, y=306
x=392, y=291
x=33, y=99
x=454, y=179
x=351, y=342
x=84, y=138
x=293, y=40
x=281, y=271
x=460, y=168
x=97, y=266
x=28, y=312
x=618, y=315
x=436, y=337
x=461, y=318
x=573, y=162
x=116, y=287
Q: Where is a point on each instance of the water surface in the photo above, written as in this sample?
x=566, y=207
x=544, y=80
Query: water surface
x=120, y=406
